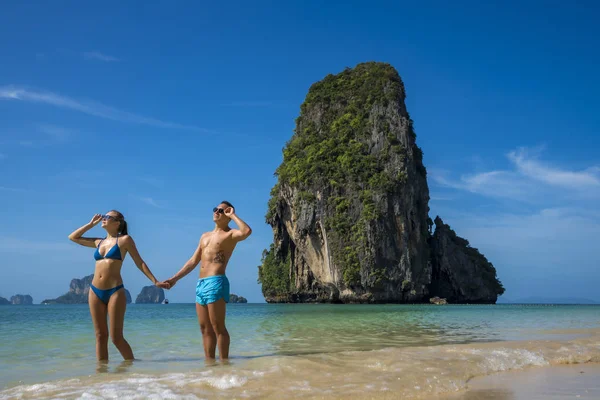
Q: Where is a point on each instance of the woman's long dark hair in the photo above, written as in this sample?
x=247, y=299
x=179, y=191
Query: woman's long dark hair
x=122, y=223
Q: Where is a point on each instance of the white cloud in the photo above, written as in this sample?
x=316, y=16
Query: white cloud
x=51, y=134
x=55, y=132
x=440, y=198
x=531, y=167
x=96, y=55
x=149, y=201
x=504, y=184
x=545, y=223
x=529, y=181
x=87, y=107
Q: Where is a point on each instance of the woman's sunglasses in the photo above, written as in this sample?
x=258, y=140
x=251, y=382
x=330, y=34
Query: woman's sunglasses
x=108, y=217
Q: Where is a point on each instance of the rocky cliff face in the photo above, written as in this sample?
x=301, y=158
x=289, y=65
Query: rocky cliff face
x=460, y=273
x=78, y=292
x=21, y=300
x=18, y=300
x=150, y=295
x=349, y=212
x=350, y=209
x=81, y=287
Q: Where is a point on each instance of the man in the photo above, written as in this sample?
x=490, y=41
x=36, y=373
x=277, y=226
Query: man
x=212, y=290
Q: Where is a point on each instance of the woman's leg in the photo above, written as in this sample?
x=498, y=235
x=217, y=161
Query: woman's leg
x=98, y=311
x=116, y=313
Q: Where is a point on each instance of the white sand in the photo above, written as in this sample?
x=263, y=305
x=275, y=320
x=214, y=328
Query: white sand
x=578, y=381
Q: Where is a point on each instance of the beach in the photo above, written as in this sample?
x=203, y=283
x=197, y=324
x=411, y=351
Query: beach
x=580, y=381
x=308, y=351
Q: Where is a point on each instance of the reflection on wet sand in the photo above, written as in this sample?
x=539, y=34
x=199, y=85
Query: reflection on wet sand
x=103, y=367
x=123, y=367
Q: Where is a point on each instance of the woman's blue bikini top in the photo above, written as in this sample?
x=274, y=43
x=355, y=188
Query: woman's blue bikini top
x=114, y=253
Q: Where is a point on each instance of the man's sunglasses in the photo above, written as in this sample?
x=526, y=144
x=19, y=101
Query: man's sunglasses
x=218, y=210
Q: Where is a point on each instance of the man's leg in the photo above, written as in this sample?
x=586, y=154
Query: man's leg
x=216, y=312
x=209, y=339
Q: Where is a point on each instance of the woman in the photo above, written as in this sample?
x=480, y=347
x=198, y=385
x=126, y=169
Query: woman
x=106, y=296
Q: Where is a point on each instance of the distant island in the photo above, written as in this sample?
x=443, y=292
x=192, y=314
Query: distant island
x=78, y=292
x=234, y=298
x=150, y=295
x=156, y=295
x=21, y=299
x=17, y=300
x=547, y=300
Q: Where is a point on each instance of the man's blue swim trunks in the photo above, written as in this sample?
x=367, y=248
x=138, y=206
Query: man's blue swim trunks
x=211, y=289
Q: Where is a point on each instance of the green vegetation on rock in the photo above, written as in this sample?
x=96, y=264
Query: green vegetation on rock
x=330, y=153
x=335, y=152
x=274, y=273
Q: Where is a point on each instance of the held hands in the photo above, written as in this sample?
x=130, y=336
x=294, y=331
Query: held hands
x=164, y=284
x=229, y=211
x=95, y=219
x=167, y=283
x=171, y=282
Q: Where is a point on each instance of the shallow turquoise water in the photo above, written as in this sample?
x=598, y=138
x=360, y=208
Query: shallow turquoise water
x=42, y=343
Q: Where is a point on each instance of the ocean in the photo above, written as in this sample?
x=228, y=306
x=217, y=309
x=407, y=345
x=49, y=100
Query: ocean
x=289, y=350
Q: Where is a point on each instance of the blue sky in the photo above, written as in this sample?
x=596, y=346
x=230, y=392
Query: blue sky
x=163, y=110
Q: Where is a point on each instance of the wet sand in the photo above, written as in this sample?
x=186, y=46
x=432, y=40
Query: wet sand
x=578, y=381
